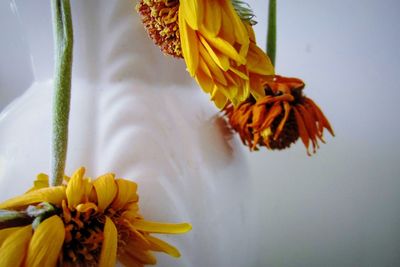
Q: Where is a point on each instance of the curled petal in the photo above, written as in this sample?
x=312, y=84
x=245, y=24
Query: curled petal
x=47, y=240
x=86, y=207
x=160, y=245
x=76, y=188
x=106, y=190
x=42, y=181
x=53, y=195
x=302, y=130
x=126, y=193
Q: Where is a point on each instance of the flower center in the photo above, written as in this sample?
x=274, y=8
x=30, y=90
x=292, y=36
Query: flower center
x=287, y=136
x=290, y=133
x=83, y=237
x=160, y=18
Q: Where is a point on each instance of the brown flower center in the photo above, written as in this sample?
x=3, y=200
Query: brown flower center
x=83, y=237
x=289, y=133
x=160, y=18
x=287, y=136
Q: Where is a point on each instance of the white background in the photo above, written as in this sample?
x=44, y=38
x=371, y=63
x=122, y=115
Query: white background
x=339, y=207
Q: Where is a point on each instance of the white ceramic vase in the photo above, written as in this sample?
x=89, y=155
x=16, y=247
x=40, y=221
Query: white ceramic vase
x=137, y=113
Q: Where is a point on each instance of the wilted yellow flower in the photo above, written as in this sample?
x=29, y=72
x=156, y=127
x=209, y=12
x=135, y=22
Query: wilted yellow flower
x=280, y=118
x=83, y=223
x=218, y=47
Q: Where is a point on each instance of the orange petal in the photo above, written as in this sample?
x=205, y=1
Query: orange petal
x=274, y=112
x=321, y=117
x=302, y=130
x=278, y=130
x=310, y=126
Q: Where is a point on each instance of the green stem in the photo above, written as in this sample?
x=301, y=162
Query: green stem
x=14, y=219
x=63, y=43
x=271, y=37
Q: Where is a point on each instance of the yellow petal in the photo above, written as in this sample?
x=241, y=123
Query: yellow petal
x=42, y=181
x=5, y=233
x=213, y=17
x=240, y=30
x=189, y=44
x=217, y=73
x=161, y=228
x=76, y=188
x=126, y=193
x=258, y=62
x=47, y=240
x=106, y=190
x=219, y=58
x=108, y=255
x=145, y=257
x=127, y=260
x=88, y=186
x=160, y=245
x=53, y=195
x=227, y=31
x=205, y=82
x=86, y=207
x=256, y=85
x=225, y=48
x=219, y=98
x=192, y=12
x=13, y=249
x=140, y=253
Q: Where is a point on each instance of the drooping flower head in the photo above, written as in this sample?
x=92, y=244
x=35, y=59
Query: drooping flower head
x=280, y=117
x=83, y=223
x=160, y=19
x=217, y=45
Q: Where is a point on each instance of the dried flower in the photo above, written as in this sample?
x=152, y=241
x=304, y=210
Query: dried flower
x=280, y=118
x=83, y=223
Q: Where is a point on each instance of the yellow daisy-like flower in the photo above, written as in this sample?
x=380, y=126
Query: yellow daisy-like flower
x=83, y=223
x=218, y=47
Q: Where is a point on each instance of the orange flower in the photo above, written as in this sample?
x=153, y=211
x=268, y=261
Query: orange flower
x=280, y=118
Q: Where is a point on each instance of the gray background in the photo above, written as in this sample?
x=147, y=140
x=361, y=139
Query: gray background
x=340, y=206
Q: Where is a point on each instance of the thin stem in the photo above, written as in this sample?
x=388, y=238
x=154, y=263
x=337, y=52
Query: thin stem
x=271, y=37
x=13, y=219
x=63, y=43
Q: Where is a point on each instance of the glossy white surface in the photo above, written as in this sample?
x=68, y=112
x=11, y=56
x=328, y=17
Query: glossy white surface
x=138, y=114
x=338, y=208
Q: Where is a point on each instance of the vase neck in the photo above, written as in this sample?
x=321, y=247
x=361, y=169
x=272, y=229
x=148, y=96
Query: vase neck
x=110, y=43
